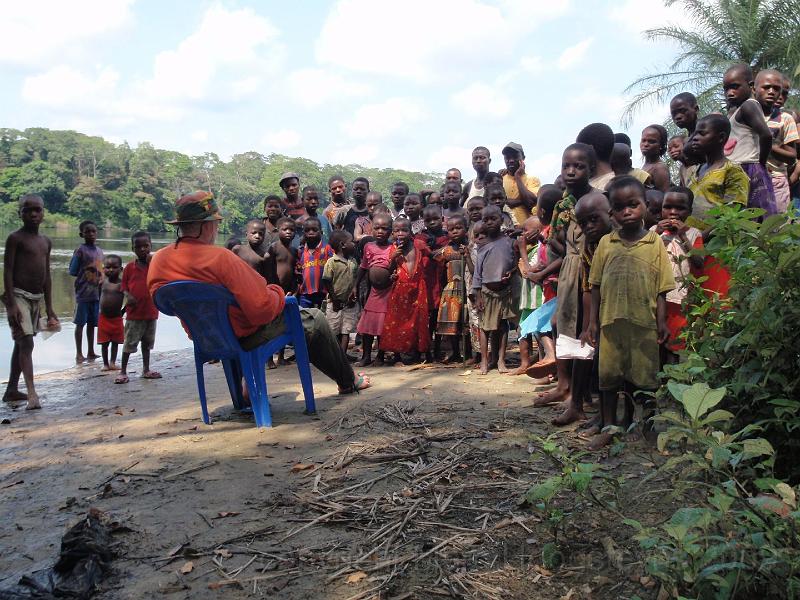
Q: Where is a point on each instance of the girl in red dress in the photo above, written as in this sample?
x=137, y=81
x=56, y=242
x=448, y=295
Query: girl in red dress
x=405, y=329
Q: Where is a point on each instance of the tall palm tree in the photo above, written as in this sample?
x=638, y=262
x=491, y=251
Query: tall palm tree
x=715, y=35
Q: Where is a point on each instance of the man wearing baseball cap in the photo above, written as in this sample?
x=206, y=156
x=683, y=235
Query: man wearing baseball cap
x=290, y=184
x=259, y=316
x=521, y=188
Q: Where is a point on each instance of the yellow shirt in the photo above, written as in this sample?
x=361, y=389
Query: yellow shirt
x=631, y=276
x=520, y=212
x=728, y=184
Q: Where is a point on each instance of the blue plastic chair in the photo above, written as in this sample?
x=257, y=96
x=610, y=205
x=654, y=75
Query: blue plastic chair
x=203, y=308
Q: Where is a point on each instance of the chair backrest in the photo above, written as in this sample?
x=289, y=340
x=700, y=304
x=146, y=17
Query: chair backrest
x=203, y=308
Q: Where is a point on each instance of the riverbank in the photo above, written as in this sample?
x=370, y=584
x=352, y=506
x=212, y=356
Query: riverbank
x=428, y=463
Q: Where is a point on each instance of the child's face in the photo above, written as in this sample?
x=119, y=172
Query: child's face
x=89, y=234
x=575, y=169
x=435, y=198
x=398, y=196
x=736, y=87
x=456, y=230
x=401, y=231
x=286, y=233
x=653, y=214
x=312, y=233
x=348, y=246
x=650, y=144
x=381, y=229
x=479, y=233
x=360, y=192
x=451, y=193
x=675, y=148
x=705, y=139
x=684, y=115
x=433, y=221
x=492, y=221
x=256, y=233
x=453, y=175
x=412, y=207
x=594, y=221
x=474, y=210
x=768, y=89
x=372, y=202
x=32, y=211
x=111, y=268
x=273, y=210
x=141, y=247
x=497, y=197
x=480, y=161
x=676, y=206
x=311, y=201
x=337, y=189
x=627, y=208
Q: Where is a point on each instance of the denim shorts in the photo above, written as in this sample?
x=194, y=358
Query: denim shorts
x=86, y=313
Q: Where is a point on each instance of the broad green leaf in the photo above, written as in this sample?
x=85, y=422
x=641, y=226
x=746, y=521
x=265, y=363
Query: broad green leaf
x=717, y=415
x=720, y=500
x=676, y=389
x=786, y=492
x=699, y=399
x=756, y=447
x=545, y=490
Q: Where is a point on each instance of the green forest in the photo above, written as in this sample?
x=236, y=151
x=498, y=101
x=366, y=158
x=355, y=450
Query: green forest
x=85, y=177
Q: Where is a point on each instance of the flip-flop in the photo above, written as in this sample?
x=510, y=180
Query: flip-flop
x=151, y=375
x=121, y=379
x=542, y=369
x=361, y=382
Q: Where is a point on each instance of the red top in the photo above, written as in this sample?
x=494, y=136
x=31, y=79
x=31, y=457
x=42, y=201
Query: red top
x=259, y=302
x=134, y=282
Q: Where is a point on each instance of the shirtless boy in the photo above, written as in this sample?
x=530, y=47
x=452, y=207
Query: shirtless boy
x=282, y=260
x=110, y=328
x=252, y=251
x=26, y=281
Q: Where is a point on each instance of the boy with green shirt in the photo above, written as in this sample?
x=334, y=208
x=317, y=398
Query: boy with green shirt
x=339, y=278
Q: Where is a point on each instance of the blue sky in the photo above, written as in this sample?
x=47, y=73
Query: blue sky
x=414, y=84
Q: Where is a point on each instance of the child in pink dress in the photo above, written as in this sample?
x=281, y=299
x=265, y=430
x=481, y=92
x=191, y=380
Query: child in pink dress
x=375, y=264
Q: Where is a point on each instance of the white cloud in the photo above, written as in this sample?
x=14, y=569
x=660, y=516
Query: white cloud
x=283, y=139
x=228, y=49
x=482, y=100
x=73, y=87
x=573, y=55
x=532, y=64
x=200, y=135
x=447, y=157
x=385, y=118
x=317, y=87
x=361, y=154
x=605, y=108
x=36, y=31
x=545, y=166
x=431, y=53
x=637, y=16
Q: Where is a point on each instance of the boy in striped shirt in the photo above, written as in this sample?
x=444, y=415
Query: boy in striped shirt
x=311, y=259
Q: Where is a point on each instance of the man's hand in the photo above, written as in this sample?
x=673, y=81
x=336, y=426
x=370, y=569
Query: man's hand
x=589, y=335
x=663, y=333
x=520, y=172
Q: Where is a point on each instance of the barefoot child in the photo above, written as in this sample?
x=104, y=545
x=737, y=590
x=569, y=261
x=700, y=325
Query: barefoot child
x=679, y=239
x=339, y=278
x=406, y=328
x=750, y=141
x=311, y=203
x=26, y=281
x=273, y=210
x=87, y=268
x=451, y=196
x=281, y=259
x=252, y=251
x=311, y=257
x=491, y=290
x=435, y=238
x=630, y=277
x=141, y=313
x=412, y=210
x=375, y=266
x=452, y=318
x=531, y=294
x=363, y=226
x=110, y=329
x=653, y=146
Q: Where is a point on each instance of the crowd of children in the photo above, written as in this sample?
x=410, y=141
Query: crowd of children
x=590, y=271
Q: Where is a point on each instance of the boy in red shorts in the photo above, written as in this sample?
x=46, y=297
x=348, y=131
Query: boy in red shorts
x=109, y=325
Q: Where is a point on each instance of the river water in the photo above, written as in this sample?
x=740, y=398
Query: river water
x=58, y=352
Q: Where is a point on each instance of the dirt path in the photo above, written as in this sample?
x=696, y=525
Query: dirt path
x=410, y=490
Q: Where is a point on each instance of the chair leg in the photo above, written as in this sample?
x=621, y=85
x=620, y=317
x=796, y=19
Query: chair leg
x=253, y=371
x=303, y=367
x=201, y=388
x=234, y=382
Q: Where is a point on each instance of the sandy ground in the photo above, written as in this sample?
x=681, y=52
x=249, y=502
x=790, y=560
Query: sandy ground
x=408, y=490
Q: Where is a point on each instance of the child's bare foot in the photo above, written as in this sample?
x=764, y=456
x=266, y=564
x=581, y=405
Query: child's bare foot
x=366, y=361
x=14, y=396
x=379, y=361
x=33, y=402
x=121, y=378
x=282, y=361
x=501, y=367
x=92, y=356
x=271, y=364
x=570, y=415
x=595, y=422
x=453, y=358
x=151, y=375
x=520, y=370
x=553, y=396
x=543, y=368
x=601, y=440
x=80, y=359
x=484, y=367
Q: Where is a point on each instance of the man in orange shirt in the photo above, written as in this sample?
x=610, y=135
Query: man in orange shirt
x=259, y=317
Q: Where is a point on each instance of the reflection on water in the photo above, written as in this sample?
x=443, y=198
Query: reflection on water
x=58, y=352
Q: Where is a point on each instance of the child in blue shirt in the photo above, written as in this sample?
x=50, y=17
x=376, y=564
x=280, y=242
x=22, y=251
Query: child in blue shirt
x=87, y=268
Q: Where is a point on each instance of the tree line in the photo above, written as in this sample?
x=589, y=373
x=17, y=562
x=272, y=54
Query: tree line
x=86, y=177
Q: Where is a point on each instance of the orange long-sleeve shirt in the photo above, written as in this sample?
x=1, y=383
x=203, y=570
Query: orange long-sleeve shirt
x=192, y=260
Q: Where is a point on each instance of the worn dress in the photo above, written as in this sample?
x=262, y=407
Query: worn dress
x=405, y=328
